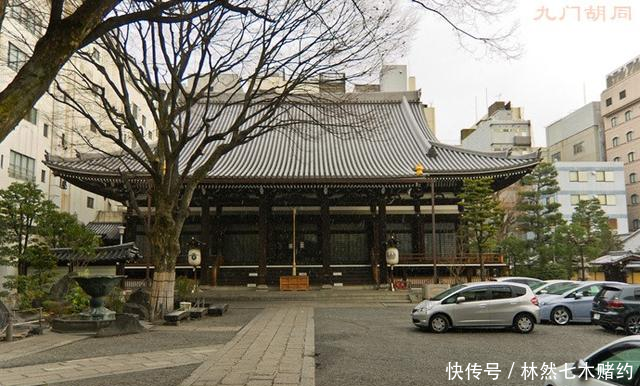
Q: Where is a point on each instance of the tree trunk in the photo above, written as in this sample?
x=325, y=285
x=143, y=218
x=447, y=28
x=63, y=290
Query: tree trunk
x=164, y=240
x=50, y=53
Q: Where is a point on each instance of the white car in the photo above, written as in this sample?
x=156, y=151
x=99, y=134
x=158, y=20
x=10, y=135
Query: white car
x=614, y=364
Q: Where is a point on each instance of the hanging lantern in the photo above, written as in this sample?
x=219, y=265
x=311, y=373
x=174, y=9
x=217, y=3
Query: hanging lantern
x=393, y=256
x=194, y=255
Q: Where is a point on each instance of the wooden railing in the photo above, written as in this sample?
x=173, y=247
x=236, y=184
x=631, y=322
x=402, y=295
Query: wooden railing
x=467, y=258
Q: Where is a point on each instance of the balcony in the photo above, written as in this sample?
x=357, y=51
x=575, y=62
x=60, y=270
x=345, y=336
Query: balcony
x=21, y=173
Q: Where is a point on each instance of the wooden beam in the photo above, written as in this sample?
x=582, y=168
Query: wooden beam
x=382, y=241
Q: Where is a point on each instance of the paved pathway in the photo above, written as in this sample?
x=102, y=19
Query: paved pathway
x=102, y=366
x=36, y=344
x=275, y=348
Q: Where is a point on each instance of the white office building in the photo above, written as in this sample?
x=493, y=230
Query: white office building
x=587, y=180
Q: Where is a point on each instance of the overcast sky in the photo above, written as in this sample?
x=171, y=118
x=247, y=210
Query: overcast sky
x=560, y=61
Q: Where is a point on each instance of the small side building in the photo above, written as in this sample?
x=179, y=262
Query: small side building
x=623, y=266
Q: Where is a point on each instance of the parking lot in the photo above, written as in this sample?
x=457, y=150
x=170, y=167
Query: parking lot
x=379, y=346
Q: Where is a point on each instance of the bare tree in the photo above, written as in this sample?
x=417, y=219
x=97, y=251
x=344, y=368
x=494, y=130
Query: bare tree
x=194, y=74
x=478, y=21
x=72, y=25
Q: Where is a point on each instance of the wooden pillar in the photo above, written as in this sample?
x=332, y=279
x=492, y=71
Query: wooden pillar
x=216, y=239
x=325, y=240
x=418, y=230
x=263, y=235
x=131, y=226
x=382, y=234
x=206, y=266
x=374, y=245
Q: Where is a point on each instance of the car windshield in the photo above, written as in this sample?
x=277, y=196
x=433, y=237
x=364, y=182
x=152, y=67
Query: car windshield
x=536, y=285
x=560, y=288
x=448, y=292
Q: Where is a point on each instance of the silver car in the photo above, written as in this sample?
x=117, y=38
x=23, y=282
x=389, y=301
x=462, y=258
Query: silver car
x=484, y=304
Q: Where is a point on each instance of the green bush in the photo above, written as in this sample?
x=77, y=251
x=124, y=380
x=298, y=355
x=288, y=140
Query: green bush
x=31, y=289
x=77, y=299
x=185, y=287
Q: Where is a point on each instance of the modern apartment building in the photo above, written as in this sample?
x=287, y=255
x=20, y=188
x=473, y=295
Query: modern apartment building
x=620, y=105
x=587, y=180
x=578, y=136
x=501, y=129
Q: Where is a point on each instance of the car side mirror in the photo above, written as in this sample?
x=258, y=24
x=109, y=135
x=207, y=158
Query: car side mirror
x=580, y=369
x=578, y=295
x=460, y=299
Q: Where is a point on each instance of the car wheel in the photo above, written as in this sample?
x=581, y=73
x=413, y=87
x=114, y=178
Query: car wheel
x=632, y=325
x=560, y=316
x=524, y=323
x=439, y=324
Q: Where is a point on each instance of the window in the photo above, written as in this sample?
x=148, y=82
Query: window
x=629, y=136
x=144, y=121
x=614, y=122
x=26, y=17
x=575, y=199
x=45, y=130
x=616, y=159
x=43, y=175
x=95, y=54
x=608, y=102
x=90, y=202
x=578, y=148
x=555, y=157
x=634, y=199
x=614, y=141
x=610, y=200
x=22, y=167
x=134, y=111
x=63, y=184
x=631, y=157
x=627, y=116
x=632, y=178
x=578, y=176
x=501, y=292
x=150, y=134
x=16, y=58
x=602, y=199
x=602, y=176
x=475, y=294
x=63, y=141
x=93, y=127
x=1, y=161
x=635, y=224
x=622, y=94
x=620, y=356
x=32, y=116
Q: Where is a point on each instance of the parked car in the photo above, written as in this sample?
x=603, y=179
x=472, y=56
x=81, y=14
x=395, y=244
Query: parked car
x=617, y=305
x=530, y=281
x=573, y=304
x=553, y=286
x=484, y=304
x=614, y=364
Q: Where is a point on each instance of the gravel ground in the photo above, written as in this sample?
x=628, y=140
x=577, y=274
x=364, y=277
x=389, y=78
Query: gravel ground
x=163, y=377
x=177, y=337
x=373, y=346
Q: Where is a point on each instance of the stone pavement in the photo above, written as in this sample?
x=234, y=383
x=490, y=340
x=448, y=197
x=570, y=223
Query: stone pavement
x=36, y=344
x=275, y=348
x=102, y=366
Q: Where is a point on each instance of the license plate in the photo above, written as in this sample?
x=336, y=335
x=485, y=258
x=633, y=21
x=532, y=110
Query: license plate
x=596, y=316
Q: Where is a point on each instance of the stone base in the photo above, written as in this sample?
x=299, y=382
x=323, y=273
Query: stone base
x=78, y=325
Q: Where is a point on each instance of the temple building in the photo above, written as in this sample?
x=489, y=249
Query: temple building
x=346, y=192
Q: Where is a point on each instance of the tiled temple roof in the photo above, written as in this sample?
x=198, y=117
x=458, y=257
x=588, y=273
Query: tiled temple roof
x=362, y=140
